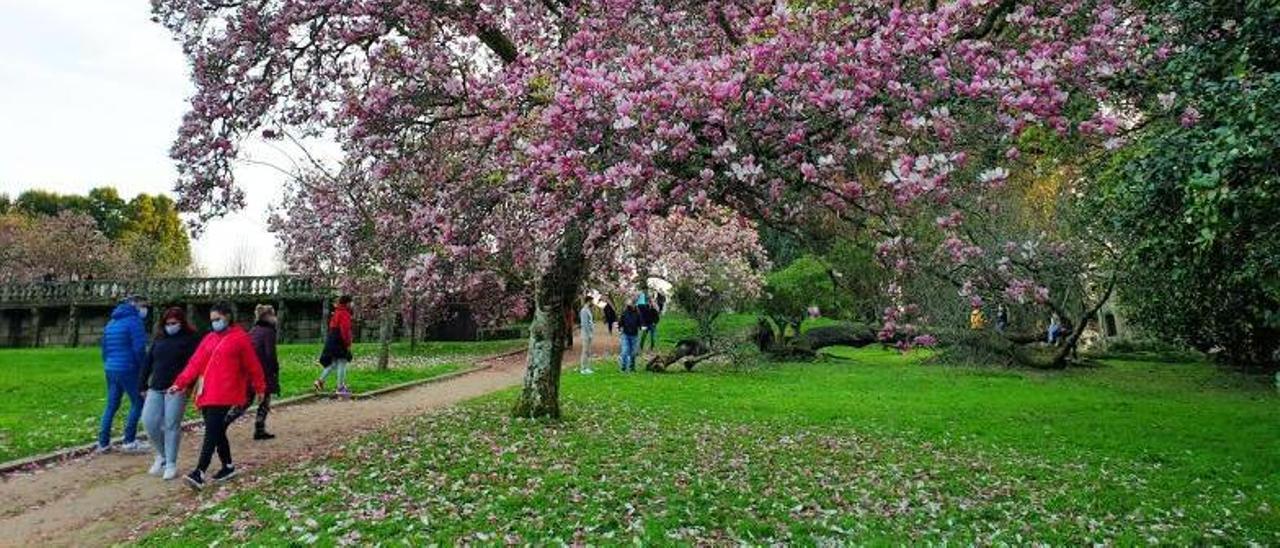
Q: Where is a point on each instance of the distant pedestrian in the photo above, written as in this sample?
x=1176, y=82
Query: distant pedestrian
x=336, y=354
x=629, y=326
x=977, y=321
x=650, y=319
x=662, y=302
x=587, y=323
x=1055, y=328
x=174, y=345
x=1002, y=318
x=610, y=316
x=264, y=338
x=222, y=370
x=642, y=300
x=124, y=348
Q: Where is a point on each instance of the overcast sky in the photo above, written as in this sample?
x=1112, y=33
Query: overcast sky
x=91, y=94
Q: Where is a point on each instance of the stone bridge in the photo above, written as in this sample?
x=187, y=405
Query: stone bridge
x=74, y=313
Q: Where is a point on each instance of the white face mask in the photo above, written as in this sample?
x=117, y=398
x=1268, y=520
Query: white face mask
x=218, y=325
x=142, y=312
x=172, y=329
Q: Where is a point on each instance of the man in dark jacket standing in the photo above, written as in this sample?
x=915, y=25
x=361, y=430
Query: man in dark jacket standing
x=124, y=348
x=629, y=326
x=263, y=336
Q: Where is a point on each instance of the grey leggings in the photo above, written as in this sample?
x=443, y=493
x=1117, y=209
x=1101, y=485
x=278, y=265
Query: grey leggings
x=339, y=367
x=162, y=417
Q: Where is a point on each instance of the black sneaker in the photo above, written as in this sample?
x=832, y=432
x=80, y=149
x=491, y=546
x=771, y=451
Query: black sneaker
x=263, y=435
x=225, y=474
x=195, y=479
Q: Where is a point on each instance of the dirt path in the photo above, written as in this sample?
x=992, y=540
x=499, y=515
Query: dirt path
x=105, y=499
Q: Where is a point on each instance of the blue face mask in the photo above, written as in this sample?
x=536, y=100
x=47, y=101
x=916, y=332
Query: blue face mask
x=172, y=329
x=218, y=325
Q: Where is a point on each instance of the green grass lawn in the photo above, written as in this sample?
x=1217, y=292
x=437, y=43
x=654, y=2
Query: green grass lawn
x=53, y=397
x=873, y=448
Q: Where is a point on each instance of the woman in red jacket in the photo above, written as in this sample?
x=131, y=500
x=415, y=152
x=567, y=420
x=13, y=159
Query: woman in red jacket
x=336, y=354
x=224, y=367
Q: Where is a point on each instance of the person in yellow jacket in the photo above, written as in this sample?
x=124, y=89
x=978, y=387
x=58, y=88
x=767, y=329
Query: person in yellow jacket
x=976, y=320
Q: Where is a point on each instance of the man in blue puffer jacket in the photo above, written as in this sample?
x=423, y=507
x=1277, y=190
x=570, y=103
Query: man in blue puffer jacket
x=124, y=346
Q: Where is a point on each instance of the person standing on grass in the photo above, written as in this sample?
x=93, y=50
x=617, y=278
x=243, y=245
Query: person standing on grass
x=263, y=336
x=588, y=325
x=223, y=369
x=629, y=326
x=124, y=348
x=650, y=320
x=1055, y=328
x=1002, y=318
x=610, y=316
x=662, y=302
x=174, y=345
x=337, y=347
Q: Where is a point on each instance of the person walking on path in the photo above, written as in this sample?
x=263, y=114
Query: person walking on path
x=662, y=302
x=337, y=347
x=224, y=368
x=124, y=348
x=263, y=336
x=629, y=326
x=174, y=345
x=1002, y=318
x=650, y=320
x=587, y=324
x=610, y=316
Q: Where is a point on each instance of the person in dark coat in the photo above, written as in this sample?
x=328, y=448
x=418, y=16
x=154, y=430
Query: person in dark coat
x=629, y=325
x=650, y=320
x=610, y=316
x=124, y=348
x=263, y=336
x=174, y=344
x=336, y=354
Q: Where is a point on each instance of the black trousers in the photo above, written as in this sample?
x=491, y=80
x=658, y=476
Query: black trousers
x=215, y=437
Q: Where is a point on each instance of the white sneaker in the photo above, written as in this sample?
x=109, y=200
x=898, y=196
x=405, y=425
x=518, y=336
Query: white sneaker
x=170, y=472
x=101, y=449
x=157, y=466
x=589, y=371
x=136, y=446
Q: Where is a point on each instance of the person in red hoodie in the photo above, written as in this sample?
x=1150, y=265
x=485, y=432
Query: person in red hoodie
x=223, y=369
x=337, y=347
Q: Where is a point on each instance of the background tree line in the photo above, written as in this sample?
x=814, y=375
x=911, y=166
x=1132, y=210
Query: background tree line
x=46, y=236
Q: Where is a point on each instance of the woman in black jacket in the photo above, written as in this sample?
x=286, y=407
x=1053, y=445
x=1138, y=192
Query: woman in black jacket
x=263, y=336
x=174, y=344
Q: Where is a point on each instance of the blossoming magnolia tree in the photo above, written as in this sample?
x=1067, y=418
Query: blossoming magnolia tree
x=556, y=126
x=352, y=231
x=714, y=261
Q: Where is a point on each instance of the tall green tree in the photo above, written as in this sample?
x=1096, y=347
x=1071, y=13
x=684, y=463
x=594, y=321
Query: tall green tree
x=154, y=236
x=1195, y=196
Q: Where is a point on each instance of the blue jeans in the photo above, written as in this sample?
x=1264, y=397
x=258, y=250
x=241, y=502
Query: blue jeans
x=650, y=333
x=629, y=351
x=162, y=415
x=121, y=383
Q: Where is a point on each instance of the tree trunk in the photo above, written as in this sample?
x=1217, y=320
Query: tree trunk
x=554, y=293
x=387, y=325
x=1060, y=360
